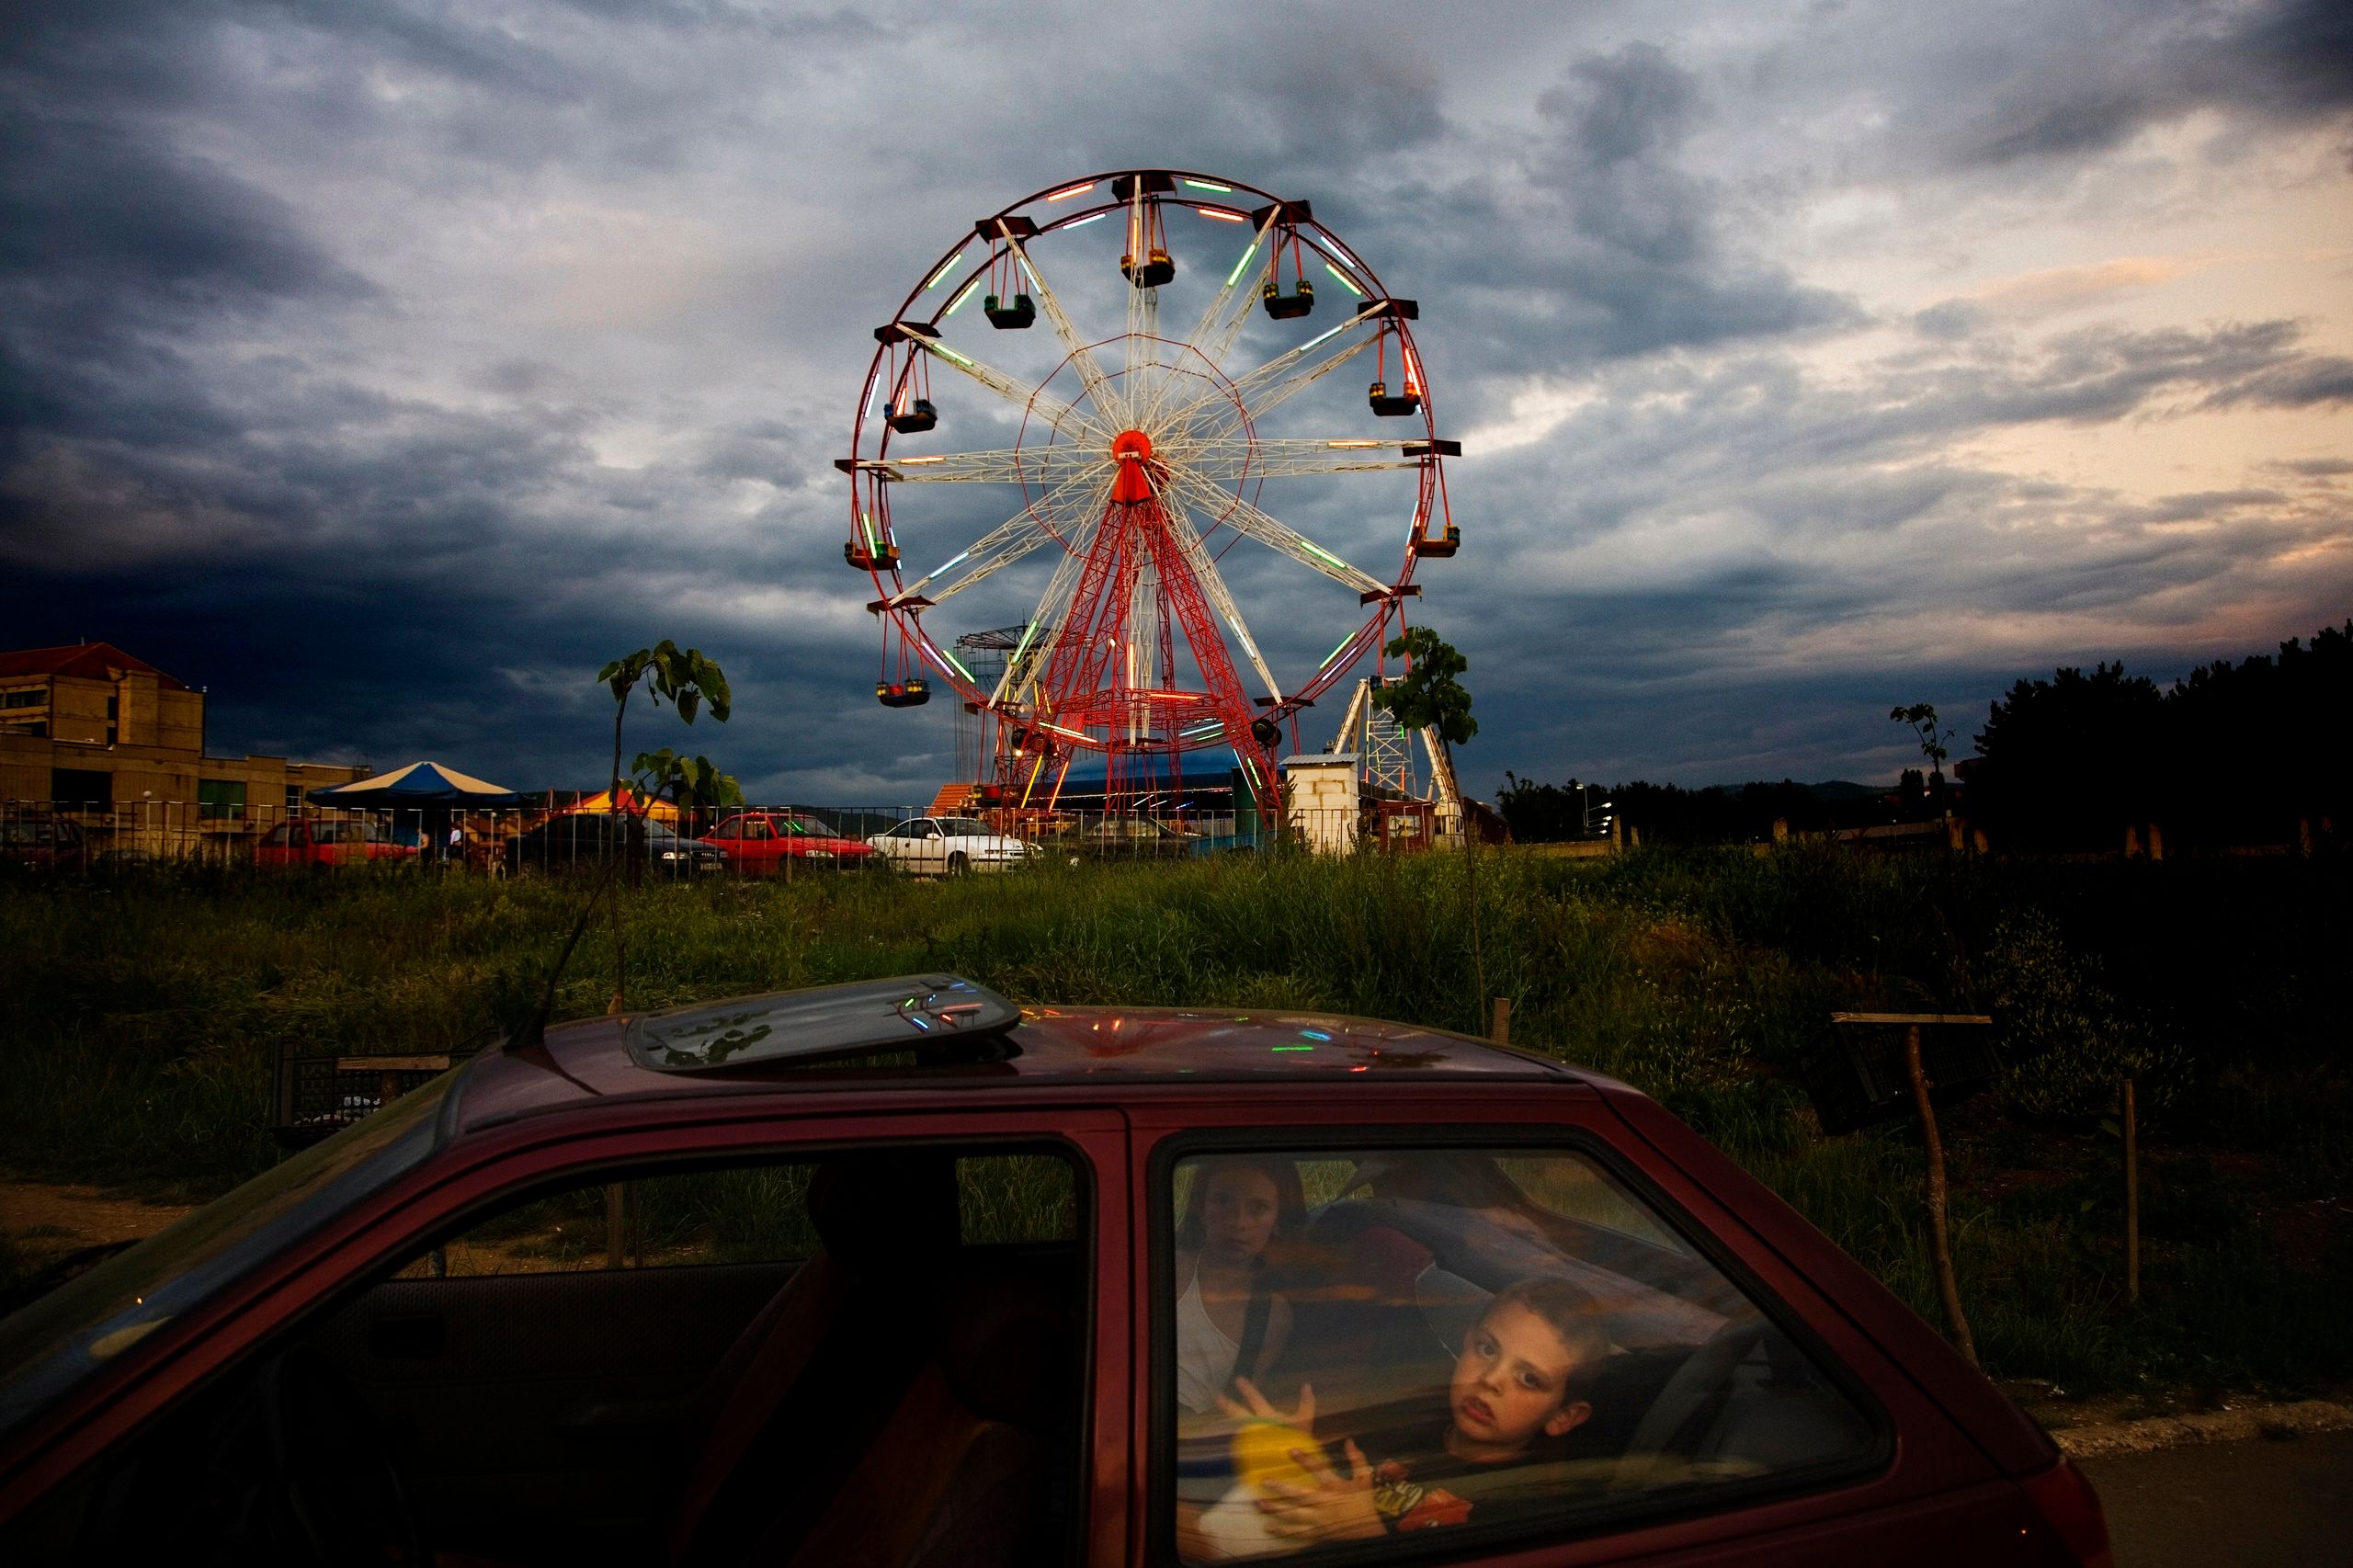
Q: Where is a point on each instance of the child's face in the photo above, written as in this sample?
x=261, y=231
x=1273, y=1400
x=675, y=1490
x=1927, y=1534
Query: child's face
x=1511, y=1384
x=1239, y=1213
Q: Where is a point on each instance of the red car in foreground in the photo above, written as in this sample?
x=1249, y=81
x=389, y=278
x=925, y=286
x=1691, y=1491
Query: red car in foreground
x=760, y=844
x=898, y=1273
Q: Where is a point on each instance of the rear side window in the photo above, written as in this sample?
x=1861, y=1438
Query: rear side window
x=745, y=1215
x=1360, y=1346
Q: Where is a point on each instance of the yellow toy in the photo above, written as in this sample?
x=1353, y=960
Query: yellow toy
x=1262, y=1452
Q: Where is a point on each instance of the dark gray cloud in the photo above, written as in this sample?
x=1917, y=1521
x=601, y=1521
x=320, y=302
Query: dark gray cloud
x=388, y=369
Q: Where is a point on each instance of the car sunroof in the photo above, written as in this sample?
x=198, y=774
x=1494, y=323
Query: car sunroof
x=909, y=1012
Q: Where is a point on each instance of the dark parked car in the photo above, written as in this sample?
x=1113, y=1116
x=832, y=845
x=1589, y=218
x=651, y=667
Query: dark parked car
x=897, y=1273
x=586, y=839
x=1130, y=839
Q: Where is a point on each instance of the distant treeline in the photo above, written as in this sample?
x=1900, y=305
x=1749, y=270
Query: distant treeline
x=2238, y=753
x=1667, y=814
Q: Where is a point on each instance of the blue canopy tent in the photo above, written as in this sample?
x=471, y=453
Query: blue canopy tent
x=418, y=784
x=422, y=795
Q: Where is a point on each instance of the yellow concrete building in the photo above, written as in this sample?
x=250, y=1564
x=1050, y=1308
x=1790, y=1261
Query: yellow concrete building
x=92, y=731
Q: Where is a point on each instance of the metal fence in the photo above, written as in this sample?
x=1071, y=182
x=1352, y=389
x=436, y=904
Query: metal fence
x=782, y=841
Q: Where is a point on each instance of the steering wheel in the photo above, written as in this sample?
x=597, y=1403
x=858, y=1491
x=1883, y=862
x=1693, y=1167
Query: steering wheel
x=1695, y=1384
x=332, y=1467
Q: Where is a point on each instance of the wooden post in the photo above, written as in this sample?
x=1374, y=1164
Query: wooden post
x=1501, y=1030
x=1939, y=1239
x=615, y=1225
x=2132, y=1197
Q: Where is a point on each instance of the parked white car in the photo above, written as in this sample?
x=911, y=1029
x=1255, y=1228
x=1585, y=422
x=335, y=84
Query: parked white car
x=951, y=845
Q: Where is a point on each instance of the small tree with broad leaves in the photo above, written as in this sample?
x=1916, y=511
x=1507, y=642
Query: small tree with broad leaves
x=693, y=784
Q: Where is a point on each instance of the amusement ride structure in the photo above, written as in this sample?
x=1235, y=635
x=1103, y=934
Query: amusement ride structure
x=1132, y=466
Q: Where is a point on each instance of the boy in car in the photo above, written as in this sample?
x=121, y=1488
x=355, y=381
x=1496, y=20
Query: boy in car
x=1514, y=1396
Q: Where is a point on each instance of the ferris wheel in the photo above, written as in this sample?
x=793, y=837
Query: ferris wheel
x=1115, y=483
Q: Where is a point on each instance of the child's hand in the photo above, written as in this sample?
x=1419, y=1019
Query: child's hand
x=1260, y=1408
x=1338, y=1509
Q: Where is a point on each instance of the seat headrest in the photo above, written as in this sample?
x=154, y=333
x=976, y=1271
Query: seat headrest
x=1006, y=1342
x=887, y=1215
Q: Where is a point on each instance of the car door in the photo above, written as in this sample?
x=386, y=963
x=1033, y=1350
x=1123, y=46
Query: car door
x=929, y=847
x=546, y=1373
x=1716, y=1407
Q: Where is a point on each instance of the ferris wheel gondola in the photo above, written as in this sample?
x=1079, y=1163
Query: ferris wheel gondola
x=1139, y=459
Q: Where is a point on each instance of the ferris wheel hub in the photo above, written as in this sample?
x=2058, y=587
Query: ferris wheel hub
x=1131, y=450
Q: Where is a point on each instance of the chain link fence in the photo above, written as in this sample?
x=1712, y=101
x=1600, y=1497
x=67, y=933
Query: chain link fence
x=769, y=841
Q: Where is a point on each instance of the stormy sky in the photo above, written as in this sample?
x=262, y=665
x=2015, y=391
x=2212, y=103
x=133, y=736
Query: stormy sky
x=387, y=368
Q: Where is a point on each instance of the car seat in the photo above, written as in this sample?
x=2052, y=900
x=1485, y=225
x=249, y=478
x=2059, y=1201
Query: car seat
x=796, y=1399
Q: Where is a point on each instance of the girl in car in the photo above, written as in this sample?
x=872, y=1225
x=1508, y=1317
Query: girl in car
x=1230, y=1321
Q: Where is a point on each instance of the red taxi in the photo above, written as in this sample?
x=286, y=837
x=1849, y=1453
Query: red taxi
x=760, y=844
x=898, y=1273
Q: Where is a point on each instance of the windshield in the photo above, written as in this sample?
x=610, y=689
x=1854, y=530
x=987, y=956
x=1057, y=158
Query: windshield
x=48, y=1347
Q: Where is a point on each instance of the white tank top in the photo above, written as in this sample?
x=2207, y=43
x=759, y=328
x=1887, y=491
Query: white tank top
x=1205, y=1356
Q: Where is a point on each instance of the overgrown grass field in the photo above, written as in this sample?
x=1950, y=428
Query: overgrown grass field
x=142, y=1015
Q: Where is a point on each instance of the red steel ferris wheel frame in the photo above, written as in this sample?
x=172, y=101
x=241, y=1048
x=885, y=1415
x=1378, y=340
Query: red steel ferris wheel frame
x=897, y=365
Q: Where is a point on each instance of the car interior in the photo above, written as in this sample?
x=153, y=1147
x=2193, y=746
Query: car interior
x=1699, y=1387
x=906, y=1390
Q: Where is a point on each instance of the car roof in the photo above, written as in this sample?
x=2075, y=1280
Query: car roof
x=579, y=1065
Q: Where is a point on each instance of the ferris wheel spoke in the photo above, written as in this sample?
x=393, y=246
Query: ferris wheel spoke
x=1006, y=543
x=1082, y=357
x=1230, y=462
x=1052, y=614
x=1221, y=325
x=1204, y=569
x=1067, y=420
x=1049, y=465
x=1246, y=519
x=1280, y=379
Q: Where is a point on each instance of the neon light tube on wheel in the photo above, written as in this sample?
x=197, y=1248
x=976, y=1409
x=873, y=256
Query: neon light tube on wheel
x=945, y=268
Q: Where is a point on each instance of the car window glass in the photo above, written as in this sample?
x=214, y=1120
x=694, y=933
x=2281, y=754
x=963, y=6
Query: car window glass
x=747, y=1214
x=964, y=827
x=275, y=838
x=928, y=830
x=758, y=831
x=1512, y=1338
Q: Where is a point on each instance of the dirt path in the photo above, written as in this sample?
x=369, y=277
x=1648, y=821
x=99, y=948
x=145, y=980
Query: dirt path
x=43, y=1221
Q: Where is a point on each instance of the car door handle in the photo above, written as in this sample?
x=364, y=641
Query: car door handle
x=611, y=1418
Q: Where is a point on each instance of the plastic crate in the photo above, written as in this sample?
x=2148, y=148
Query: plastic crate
x=1859, y=1079
x=314, y=1096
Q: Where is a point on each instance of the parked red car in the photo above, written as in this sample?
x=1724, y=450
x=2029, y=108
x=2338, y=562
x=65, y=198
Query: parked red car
x=43, y=843
x=306, y=842
x=758, y=844
x=899, y=1273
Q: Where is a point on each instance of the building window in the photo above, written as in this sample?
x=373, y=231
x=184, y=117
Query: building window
x=221, y=800
x=293, y=797
x=81, y=788
x=24, y=696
